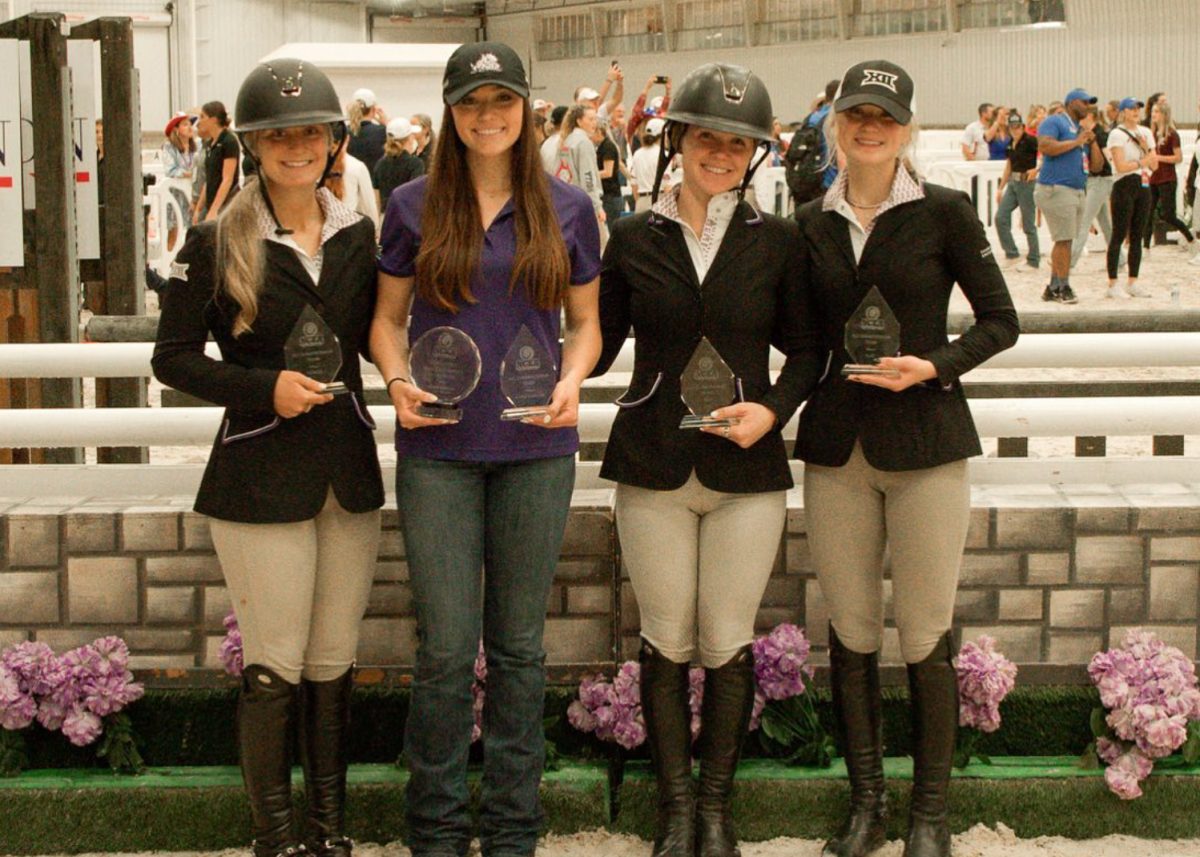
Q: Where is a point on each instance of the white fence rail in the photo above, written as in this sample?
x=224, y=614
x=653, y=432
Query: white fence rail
x=999, y=418
x=1033, y=350
x=1067, y=417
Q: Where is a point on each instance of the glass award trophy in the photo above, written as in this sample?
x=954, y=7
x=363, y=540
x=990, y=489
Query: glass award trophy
x=871, y=333
x=312, y=349
x=527, y=377
x=707, y=383
x=446, y=362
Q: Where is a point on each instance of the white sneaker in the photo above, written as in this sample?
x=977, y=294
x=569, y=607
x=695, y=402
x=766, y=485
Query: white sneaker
x=1137, y=290
x=1115, y=291
x=1195, y=260
x=1010, y=262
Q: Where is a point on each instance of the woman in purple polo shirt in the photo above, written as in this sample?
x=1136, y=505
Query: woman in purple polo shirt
x=487, y=244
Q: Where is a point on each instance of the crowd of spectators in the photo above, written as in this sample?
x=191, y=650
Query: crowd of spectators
x=1086, y=167
x=611, y=150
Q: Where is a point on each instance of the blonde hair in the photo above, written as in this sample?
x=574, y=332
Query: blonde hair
x=356, y=111
x=240, y=257
x=1165, y=122
x=829, y=131
x=241, y=261
x=394, y=146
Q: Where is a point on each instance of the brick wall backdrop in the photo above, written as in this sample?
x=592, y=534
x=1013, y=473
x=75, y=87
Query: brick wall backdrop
x=1053, y=573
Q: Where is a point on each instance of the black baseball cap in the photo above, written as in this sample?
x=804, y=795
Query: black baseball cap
x=878, y=82
x=482, y=64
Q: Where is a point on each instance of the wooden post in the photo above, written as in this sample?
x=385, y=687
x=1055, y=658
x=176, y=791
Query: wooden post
x=53, y=267
x=122, y=224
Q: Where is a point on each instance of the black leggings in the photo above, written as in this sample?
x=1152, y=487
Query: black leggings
x=1130, y=214
x=1163, y=196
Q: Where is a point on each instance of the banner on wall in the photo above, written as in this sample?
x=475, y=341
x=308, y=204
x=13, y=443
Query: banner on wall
x=12, y=235
x=81, y=61
x=82, y=58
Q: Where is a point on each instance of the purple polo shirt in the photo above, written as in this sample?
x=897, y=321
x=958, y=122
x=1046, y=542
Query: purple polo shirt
x=493, y=321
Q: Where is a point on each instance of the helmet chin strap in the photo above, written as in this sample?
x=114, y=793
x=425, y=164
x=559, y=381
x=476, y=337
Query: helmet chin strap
x=766, y=150
x=666, y=152
x=280, y=231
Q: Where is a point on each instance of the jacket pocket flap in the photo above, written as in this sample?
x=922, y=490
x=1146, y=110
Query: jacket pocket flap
x=237, y=428
x=364, y=415
x=621, y=401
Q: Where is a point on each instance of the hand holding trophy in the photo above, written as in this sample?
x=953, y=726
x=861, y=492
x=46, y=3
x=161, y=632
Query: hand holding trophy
x=445, y=361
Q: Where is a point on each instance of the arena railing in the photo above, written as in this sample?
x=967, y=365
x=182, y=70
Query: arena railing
x=1021, y=417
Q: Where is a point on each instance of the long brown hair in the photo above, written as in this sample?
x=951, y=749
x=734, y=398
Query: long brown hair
x=452, y=235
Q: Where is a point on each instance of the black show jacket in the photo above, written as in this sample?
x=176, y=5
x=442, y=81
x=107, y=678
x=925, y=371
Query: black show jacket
x=263, y=468
x=752, y=297
x=915, y=254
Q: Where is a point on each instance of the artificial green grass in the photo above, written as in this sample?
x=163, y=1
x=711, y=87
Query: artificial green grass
x=1035, y=797
x=204, y=808
x=194, y=726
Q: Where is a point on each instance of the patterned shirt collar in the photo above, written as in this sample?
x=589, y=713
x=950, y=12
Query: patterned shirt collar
x=904, y=189
x=721, y=209
x=338, y=216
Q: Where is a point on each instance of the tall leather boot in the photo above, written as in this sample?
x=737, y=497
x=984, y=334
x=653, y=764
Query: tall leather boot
x=324, y=727
x=266, y=712
x=724, y=719
x=857, y=701
x=664, y=688
x=933, y=687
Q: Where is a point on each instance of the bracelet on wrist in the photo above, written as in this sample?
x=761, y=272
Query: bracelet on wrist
x=388, y=387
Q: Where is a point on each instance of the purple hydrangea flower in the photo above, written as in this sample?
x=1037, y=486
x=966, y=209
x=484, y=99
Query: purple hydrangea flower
x=231, y=652
x=17, y=708
x=781, y=662
x=81, y=726
x=34, y=664
x=612, y=710
x=478, y=694
x=985, y=677
x=1151, y=692
x=71, y=693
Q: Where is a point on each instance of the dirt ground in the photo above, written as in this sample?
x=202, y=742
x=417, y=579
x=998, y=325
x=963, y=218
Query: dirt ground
x=980, y=841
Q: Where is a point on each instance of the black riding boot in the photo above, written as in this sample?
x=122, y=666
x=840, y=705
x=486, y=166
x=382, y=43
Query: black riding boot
x=856, y=699
x=664, y=687
x=933, y=686
x=325, y=724
x=724, y=719
x=266, y=713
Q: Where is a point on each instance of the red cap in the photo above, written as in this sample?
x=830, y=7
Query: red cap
x=174, y=123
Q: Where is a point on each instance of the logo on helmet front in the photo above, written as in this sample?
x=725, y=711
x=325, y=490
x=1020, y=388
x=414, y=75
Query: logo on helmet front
x=290, y=85
x=879, y=78
x=486, y=62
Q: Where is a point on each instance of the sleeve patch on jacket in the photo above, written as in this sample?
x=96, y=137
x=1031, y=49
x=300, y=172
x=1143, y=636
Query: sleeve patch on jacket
x=179, y=271
x=985, y=252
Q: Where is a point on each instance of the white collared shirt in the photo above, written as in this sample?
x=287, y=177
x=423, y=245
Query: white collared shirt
x=338, y=216
x=904, y=189
x=703, y=247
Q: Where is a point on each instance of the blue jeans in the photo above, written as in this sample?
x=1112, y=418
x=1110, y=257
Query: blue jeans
x=1018, y=193
x=458, y=518
x=613, y=206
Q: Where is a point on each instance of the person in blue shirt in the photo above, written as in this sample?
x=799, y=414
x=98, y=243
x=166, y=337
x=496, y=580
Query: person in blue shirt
x=1065, y=141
